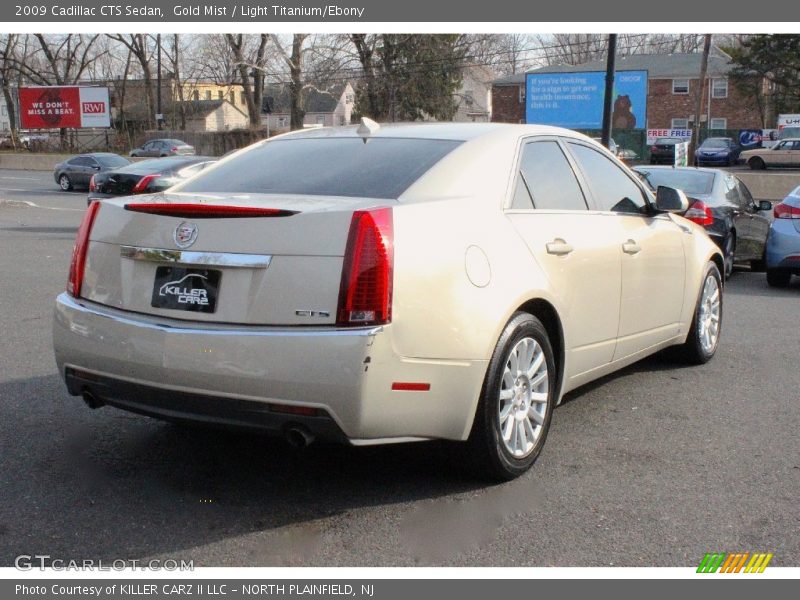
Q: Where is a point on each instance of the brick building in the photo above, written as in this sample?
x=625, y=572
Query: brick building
x=672, y=84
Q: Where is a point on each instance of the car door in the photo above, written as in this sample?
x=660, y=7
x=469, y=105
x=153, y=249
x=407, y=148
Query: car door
x=577, y=253
x=649, y=246
x=92, y=167
x=758, y=224
x=79, y=168
x=779, y=155
x=793, y=155
x=149, y=149
x=735, y=209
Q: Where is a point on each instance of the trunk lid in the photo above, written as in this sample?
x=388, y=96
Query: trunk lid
x=277, y=267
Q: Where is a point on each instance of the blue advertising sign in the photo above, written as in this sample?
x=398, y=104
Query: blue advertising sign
x=575, y=100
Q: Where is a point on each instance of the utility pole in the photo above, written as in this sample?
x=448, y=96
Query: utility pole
x=608, y=102
x=159, y=112
x=698, y=97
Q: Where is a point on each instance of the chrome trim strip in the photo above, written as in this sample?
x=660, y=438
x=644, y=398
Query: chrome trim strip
x=213, y=259
x=166, y=325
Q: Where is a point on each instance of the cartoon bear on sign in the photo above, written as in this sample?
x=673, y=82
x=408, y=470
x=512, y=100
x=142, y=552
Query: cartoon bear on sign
x=623, y=117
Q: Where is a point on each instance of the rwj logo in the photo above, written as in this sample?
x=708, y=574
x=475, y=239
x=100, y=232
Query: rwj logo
x=93, y=108
x=734, y=562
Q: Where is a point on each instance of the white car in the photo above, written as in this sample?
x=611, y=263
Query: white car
x=386, y=284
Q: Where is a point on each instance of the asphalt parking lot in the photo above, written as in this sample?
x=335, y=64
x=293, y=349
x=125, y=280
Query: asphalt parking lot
x=653, y=466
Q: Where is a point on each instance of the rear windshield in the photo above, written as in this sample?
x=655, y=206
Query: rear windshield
x=379, y=168
x=112, y=161
x=715, y=143
x=668, y=141
x=690, y=182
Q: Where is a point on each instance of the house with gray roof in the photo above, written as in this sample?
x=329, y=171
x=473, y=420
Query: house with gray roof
x=324, y=106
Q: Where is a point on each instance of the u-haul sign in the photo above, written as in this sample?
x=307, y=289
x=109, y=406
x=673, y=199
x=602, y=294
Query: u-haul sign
x=70, y=106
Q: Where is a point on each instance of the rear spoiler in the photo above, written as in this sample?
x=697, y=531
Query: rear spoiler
x=206, y=211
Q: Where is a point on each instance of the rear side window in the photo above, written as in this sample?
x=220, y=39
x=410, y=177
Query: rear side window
x=81, y=161
x=380, y=168
x=612, y=188
x=546, y=180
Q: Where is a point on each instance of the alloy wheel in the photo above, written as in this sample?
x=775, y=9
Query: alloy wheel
x=524, y=394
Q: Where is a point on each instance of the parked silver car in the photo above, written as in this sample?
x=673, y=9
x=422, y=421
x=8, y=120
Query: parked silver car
x=77, y=171
x=438, y=281
x=168, y=147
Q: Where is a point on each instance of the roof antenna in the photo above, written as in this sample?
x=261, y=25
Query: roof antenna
x=367, y=128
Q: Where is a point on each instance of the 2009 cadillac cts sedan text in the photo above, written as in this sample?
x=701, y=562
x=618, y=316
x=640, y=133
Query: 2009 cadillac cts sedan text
x=386, y=284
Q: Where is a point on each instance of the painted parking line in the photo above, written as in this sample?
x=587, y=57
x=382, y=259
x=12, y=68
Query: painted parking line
x=29, y=204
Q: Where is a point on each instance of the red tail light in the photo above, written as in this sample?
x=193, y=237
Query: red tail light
x=76, y=267
x=205, y=211
x=786, y=211
x=141, y=185
x=365, y=294
x=174, y=148
x=700, y=213
x=653, y=148
x=92, y=184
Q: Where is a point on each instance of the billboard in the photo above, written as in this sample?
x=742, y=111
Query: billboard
x=575, y=100
x=654, y=134
x=71, y=106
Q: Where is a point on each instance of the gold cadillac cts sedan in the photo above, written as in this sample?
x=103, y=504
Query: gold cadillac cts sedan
x=380, y=284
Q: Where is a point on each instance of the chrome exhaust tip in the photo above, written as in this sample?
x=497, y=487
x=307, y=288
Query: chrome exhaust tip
x=299, y=436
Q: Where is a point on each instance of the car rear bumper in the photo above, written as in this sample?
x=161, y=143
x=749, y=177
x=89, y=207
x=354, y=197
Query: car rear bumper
x=783, y=244
x=253, y=376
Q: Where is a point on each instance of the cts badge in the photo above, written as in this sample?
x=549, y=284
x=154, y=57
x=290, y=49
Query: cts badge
x=185, y=235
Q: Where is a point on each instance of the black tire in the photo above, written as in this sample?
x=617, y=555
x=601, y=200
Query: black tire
x=488, y=453
x=778, y=278
x=729, y=254
x=64, y=182
x=756, y=163
x=693, y=351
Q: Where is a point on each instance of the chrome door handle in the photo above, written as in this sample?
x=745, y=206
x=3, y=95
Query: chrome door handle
x=631, y=247
x=559, y=247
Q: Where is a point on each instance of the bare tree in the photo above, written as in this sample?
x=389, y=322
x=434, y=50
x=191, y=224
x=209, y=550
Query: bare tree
x=294, y=62
x=174, y=58
x=139, y=46
x=7, y=61
x=250, y=68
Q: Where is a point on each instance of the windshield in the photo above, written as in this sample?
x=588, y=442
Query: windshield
x=690, y=182
x=715, y=143
x=345, y=166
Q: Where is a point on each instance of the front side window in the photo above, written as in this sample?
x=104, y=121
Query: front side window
x=612, y=188
x=545, y=179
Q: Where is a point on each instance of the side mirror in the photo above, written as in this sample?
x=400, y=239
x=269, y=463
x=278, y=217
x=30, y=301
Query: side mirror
x=764, y=205
x=671, y=200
